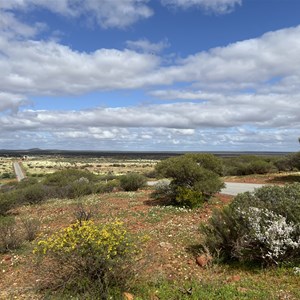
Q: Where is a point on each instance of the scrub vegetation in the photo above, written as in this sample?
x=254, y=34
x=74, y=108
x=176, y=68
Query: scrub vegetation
x=75, y=233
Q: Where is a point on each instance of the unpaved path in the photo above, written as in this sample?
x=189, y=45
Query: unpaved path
x=234, y=188
x=231, y=188
x=18, y=171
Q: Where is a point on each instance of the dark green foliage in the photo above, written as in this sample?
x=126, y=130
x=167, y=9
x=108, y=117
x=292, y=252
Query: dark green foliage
x=194, y=177
x=7, y=175
x=8, y=200
x=132, y=181
x=32, y=194
x=248, y=164
x=261, y=227
x=62, y=184
x=188, y=197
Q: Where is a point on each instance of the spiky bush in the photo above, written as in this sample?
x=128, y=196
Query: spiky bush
x=260, y=227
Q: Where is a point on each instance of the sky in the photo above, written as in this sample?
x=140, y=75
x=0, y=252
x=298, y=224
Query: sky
x=150, y=75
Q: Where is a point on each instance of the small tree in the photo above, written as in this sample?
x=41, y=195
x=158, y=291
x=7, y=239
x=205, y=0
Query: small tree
x=195, y=177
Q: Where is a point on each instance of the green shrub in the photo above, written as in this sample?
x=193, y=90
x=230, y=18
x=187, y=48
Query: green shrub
x=7, y=175
x=132, y=181
x=261, y=227
x=88, y=259
x=32, y=194
x=65, y=177
x=248, y=164
x=191, y=177
x=8, y=200
x=188, y=197
x=163, y=191
x=108, y=187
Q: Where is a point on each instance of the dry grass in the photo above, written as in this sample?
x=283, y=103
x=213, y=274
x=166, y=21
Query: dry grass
x=168, y=255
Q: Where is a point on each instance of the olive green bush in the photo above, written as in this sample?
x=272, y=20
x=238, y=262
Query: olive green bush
x=194, y=178
x=132, y=181
x=249, y=164
x=258, y=227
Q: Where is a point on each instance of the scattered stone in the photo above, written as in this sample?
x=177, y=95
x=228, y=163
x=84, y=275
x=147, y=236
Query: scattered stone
x=7, y=258
x=203, y=260
x=128, y=296
x=165, y=245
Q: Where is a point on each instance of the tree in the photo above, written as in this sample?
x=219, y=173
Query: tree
x=195, y=177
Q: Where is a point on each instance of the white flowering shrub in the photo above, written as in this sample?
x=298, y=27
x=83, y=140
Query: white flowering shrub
x=263, y=226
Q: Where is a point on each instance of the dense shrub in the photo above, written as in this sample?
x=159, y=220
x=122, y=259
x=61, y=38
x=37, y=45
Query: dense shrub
x=7, y=175
x=88, y=259
x=132, y=181
x=108, y=187
x=163, y=190
x=192, y=180
x=65, y=177
x=8, y=200
x=248, y=164
x=261, y=227
x=32, y=194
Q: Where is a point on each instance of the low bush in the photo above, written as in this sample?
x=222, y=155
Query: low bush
x=8, y=200
x=163, y=191
x=87, y=259
x=30, y=228
x=132, y=181
x=9, y=238
x=249, y=164
x=65, y=177
x=195, y=178
x=259, y=227
x=108, y=187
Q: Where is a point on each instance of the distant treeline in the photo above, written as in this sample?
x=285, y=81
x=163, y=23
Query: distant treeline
x=130, y=154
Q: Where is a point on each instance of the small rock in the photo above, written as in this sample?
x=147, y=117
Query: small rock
x=7, y=258
x=128, y=296
x=203, y=260
x=165, y=245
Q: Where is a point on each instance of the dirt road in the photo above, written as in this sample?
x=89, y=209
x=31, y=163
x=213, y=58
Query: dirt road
x=18, y=171
x=232, y=188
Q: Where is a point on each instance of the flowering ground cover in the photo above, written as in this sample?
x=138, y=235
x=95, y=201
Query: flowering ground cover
x=165, y=268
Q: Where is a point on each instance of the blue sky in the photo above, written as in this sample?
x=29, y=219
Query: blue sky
x=186, y=75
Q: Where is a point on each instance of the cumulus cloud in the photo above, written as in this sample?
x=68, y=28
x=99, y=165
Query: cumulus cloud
x=106, y=13
x=40, y=67
x=11, y=101
x=146, y=46
x=216, y=6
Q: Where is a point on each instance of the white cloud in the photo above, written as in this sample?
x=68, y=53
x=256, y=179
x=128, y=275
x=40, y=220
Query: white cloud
x=147, y=46
x=106, y=13
x=240, y=65
x=11, y=101
x=216, y=6
x=39, y=67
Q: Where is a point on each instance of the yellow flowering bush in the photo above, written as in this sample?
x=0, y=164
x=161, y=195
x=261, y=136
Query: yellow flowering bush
x=91, y=258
